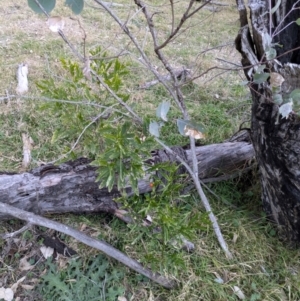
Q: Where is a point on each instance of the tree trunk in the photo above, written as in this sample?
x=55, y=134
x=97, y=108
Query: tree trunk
x=72, y=187
x=276, y=140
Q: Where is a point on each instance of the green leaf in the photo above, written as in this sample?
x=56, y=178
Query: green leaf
x=271, y=54
x=298, y=21
x=295, y=95
x=163, y=110
x=277, y=98
x=48, y=5
x=259, y=78
x=260, y=68
x=273, y=10
x=75, y=5
x=154, y=128
x=181, y=125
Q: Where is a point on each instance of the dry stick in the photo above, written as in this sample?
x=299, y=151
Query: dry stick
x=173, y=15
x=97, y=244
x=18, y=232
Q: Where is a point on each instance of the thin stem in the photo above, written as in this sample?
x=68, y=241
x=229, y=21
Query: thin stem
x=282, y=20
x=173, y=15
x=185, y=16
x=201, y=193
x=124, y=104
x=179, y=97
x=61, y=33
x=80, y=136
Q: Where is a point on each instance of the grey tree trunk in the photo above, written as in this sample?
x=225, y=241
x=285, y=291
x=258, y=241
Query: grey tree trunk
x=72, y=187
x=276, y=140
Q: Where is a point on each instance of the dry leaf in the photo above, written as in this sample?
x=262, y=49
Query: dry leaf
x=22, y=73
x=149, y=218
x=235, y=237
x=47, y=251
x=151, y=297
x=6, y=294
x=25, y=265
x=239, y=292
x=27, y=146
x=276, y=79
x=120, y=213
x=15, y=285
x=62, y=261
x=55, y=23
x=27, y=286
x=193, y=133
x=82, y=227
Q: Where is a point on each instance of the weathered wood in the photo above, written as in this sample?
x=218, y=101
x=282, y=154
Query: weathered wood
x=72, y=187
x=276, y=140
x=92, y=242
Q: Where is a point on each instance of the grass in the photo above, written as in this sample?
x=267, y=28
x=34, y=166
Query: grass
x=264, y=268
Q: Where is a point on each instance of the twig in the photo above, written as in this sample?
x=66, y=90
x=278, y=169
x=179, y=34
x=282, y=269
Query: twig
x=178, y=97
x=228, y=62
x=182, y=74
x=124, y=104
x=94, y=243
x=61, y=33
x=81, y=134
x=72, y=102
x=13, y=234
x=112, y=4
x=185, y=16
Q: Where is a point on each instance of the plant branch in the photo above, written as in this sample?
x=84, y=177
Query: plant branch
x=81, y=134
x=61, y=33
x=180, y=102
x=185, y=17
x=140, y=50
x=179, y=97
x=124, y=104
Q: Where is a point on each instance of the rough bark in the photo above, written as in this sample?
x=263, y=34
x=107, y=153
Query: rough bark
x=276, y=140
x=72, y=187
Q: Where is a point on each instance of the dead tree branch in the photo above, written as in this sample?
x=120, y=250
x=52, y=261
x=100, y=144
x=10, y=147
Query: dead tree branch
x=94, y=243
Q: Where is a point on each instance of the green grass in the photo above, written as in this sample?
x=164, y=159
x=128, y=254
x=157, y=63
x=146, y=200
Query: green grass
x=264, y=268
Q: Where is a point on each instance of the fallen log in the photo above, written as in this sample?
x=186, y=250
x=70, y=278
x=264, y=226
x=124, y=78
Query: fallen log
x=71, y=187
